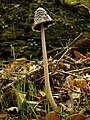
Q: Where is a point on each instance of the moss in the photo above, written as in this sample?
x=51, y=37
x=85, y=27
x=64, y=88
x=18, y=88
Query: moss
x=16, y=24
x=8, y=35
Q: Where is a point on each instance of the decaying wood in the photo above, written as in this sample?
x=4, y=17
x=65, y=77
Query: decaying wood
x=81, y=42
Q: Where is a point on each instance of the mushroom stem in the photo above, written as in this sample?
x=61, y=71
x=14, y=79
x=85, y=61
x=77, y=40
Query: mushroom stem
x=46, y=74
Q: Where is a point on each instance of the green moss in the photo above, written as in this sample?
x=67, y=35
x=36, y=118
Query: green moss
x=16, y=23
x=8, y=35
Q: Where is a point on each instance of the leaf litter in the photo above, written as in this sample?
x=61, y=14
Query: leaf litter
x=22, y=90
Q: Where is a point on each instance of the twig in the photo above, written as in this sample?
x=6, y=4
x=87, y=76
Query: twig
x=59, y=71
x=64, y=54
x=77, y=70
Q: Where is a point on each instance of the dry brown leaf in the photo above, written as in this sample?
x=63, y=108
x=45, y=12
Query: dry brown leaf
x=41, y=118
x=73, y=83
x=79, y=55
x=88, y=55
x=81, y=83
x=16, y=64
x=76, y=117
x=52, y=116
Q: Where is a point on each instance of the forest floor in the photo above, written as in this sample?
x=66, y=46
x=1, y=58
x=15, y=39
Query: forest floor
x=22, y=88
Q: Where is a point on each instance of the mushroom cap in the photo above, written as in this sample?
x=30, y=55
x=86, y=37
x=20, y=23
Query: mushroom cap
x=41, y=16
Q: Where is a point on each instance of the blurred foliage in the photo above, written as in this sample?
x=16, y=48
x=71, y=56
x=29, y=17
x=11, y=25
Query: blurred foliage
x=16, y=20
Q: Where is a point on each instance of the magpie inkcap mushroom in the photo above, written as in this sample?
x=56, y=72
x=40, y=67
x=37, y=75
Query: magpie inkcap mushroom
x=41, y=16
x=41, y=21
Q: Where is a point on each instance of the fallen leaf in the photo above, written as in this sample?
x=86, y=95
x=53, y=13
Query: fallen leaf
x=52, y=116
x=81, y=83
x=73, y=83
x=14, y=65
x=76, y=117
x=79, y=55
x=41, y=118
x=42, y=93
x=88, y=55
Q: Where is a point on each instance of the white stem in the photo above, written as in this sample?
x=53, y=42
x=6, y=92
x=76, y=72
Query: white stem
x=45, y=62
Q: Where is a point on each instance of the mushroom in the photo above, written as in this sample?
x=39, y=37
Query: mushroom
x=41, y=21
